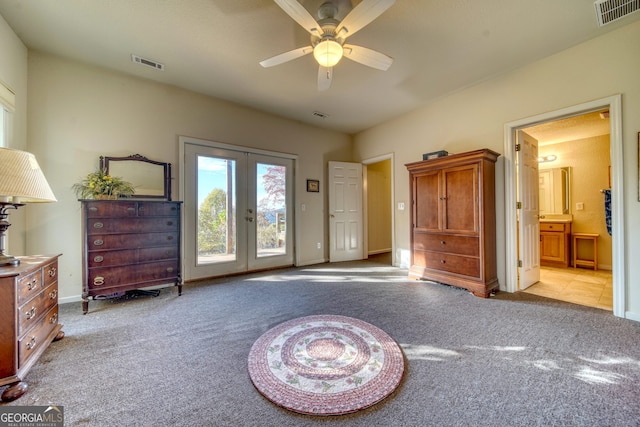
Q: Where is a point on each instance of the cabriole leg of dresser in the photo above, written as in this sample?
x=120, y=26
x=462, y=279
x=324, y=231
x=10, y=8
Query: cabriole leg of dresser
x=14, y=391
x=85, y=306
x=179, y=289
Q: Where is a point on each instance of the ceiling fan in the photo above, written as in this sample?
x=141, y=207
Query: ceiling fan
x=328, y=37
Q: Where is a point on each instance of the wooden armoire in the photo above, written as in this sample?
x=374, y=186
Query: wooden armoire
x=453, y=221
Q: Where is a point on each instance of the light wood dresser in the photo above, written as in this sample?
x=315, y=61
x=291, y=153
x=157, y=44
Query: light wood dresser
x=28, y=318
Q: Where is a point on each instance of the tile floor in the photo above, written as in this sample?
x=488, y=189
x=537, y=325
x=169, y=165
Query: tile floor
x=579, y=286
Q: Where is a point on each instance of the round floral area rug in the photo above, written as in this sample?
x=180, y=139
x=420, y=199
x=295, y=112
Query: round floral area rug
x=325, y=365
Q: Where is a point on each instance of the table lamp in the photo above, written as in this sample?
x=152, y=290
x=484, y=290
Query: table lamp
x=21, y=182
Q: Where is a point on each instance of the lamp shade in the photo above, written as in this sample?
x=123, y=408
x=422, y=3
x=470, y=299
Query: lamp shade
x=328, y=53
x=21, y=179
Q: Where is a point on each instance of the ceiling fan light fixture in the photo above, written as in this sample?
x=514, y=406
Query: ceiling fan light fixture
x=328, y=53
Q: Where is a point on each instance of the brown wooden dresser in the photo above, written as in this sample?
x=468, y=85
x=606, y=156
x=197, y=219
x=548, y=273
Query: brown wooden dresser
x=129, y=244
x=28, y=318
x=453, y=221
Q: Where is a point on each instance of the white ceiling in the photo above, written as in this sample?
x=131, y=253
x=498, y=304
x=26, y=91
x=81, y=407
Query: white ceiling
x=214, y=46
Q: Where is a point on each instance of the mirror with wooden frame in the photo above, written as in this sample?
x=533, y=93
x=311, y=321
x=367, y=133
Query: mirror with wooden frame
x=151, y=179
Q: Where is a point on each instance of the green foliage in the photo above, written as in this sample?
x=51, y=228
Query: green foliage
x=100, y=183
x=212, y=223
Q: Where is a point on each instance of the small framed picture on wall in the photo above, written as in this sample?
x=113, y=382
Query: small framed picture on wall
x=313, y=186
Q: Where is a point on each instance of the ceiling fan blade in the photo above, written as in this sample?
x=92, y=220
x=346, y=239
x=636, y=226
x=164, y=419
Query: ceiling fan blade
x=369, y=57
x=287, y=56
x=299, y=14
x=362, y=15
x=325, y=75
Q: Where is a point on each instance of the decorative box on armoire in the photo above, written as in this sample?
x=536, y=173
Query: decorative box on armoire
x=129, y=244
x=28, y=318
x=453, y=221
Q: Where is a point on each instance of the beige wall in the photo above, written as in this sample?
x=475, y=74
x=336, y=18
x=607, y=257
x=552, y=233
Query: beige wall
x=589, y=162
x=78, y=112
x=475, y=117
x=13, y=73
x=379, y=207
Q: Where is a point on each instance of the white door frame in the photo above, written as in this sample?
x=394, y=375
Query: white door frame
x=182, y=140
x=614, y=104
x=370, y=161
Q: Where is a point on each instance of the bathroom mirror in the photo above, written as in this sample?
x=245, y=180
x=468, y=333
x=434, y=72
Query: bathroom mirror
x=555, y=190
x=151, y=179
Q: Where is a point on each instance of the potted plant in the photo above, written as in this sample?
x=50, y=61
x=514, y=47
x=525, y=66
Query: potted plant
x=100, y=185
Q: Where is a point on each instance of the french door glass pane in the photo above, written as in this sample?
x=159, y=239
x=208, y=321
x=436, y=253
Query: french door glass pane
x=271, y=210
x=216, y=189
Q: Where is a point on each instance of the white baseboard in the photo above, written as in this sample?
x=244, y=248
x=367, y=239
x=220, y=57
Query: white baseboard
x=311, y=262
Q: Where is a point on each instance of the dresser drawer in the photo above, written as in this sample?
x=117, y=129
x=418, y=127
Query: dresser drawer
x=128, y=241
x=29, y=313
x=131, y=256
x=461, y=245
x=552, y=226
x=157, y=209
x=30, y=285
x=50, y=273
x=111, y=209
x=464, y=265
x=37, y=336
x=131, y=225
x=108, y=277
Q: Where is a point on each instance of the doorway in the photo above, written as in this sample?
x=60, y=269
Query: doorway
x=614, y=105
x=379, y=208
x=238, y=210
x=573, y=158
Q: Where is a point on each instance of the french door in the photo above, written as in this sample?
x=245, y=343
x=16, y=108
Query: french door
x=238, y=211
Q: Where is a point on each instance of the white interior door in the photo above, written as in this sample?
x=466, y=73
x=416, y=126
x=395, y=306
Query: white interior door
x=345, y=212
x=238, y=211
x=528, y=214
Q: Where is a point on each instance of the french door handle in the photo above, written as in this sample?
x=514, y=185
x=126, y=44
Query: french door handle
x=249, y=218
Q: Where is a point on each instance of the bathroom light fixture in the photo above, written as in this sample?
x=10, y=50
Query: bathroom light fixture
x=547, y=158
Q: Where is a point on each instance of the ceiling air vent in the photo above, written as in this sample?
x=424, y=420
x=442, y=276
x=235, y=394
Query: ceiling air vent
x=321, y=115
x=608, y=11
x=149, y=63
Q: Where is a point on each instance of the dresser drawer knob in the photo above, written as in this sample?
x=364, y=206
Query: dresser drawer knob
x=32, y=284
x=93, y=209
x=141, y=208
x=52, y=272
x=169, y=237
x=131, y=209
x=30, y=314
x=98, y=242
x=53, y=294
x=443, y=261
x=98, y=225
x=98, y=281
x=53, y=319
x=169, y=223
x=31, y=343
x=98, y=258
x=170, y=270
x=442, y=242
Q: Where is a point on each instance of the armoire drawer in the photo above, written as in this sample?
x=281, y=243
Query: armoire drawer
x=463, y=265
x=461, y=245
